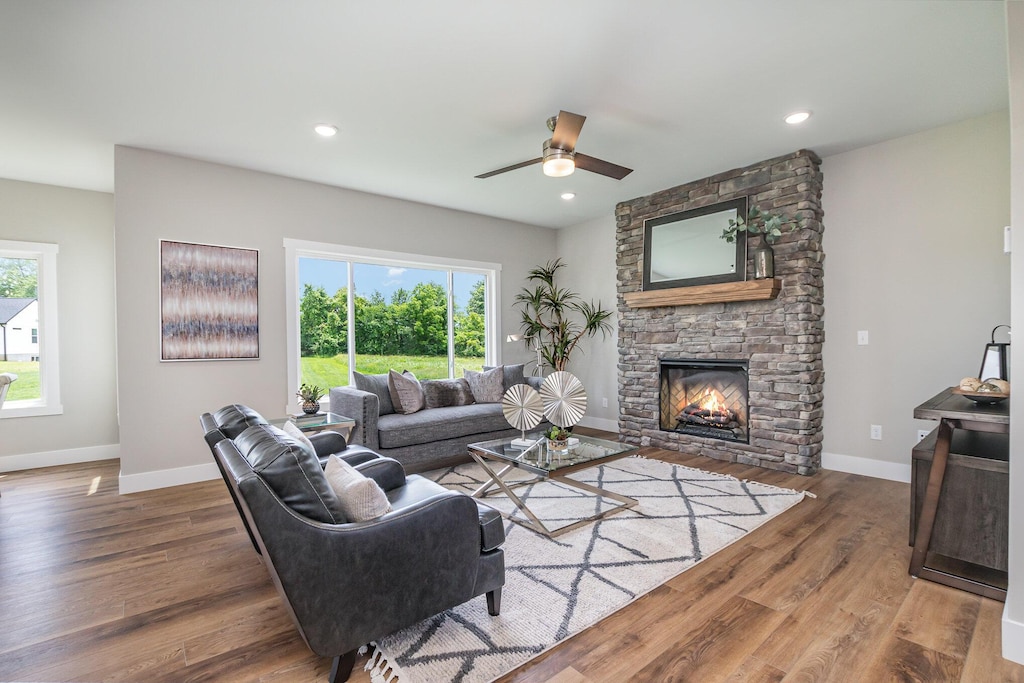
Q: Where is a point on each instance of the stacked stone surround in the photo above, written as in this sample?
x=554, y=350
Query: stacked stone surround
x=780, y=338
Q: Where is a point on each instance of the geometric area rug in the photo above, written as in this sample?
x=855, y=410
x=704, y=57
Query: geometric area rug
x=557, y=587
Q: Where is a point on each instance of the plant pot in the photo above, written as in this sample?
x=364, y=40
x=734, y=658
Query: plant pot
x=764, y=262
x=558, y=445
x=311, y=407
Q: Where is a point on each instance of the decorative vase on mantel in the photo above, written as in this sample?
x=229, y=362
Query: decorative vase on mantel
x=764, y=262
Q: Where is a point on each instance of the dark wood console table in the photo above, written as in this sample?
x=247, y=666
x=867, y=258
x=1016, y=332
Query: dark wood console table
x=955, y=412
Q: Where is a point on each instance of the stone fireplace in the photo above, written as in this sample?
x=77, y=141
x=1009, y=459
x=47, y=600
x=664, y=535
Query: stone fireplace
x=773, y=342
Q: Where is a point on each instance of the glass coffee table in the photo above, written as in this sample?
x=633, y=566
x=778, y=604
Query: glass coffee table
x=547, y=465
x=333, y=421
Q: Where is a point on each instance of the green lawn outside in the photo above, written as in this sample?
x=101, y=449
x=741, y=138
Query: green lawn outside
x=333, y=372
x=27, y=386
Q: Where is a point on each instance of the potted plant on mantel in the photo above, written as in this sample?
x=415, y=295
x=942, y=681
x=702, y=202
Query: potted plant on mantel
x=770, y=227
x=547, y=317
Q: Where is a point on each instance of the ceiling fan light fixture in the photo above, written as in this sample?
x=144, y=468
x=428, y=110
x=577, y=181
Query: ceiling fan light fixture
x=558, y=163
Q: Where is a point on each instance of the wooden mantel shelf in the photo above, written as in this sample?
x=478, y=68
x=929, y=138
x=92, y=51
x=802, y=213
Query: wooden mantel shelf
x=747, y=290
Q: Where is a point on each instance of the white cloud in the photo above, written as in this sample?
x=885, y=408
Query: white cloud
x=395, y=272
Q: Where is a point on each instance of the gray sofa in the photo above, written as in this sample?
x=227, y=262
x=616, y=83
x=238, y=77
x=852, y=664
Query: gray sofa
x=429, y=438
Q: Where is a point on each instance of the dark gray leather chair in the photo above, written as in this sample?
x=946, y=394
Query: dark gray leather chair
x=345, y=583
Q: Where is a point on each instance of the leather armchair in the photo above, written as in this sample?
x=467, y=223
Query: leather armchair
x=348, y=584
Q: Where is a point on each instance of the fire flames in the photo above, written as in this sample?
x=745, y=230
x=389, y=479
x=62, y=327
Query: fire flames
x=712, y=401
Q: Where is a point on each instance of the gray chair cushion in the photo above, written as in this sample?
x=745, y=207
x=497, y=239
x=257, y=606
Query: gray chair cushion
x=291, y=471
x=444, y=393
x=438, y=424
x=376, y=384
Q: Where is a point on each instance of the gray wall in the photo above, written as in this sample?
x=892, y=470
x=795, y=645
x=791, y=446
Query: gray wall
x=1013, y=615
x=914, y=255
x=588, y=249
x=166, y=197
x=82, y=224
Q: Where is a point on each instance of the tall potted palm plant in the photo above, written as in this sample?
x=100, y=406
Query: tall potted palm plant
x=555, y=319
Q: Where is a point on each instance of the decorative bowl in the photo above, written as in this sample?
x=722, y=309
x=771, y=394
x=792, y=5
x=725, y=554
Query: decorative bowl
x=982, y=397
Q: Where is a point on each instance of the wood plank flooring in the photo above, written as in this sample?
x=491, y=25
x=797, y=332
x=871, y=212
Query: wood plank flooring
x=164, y=586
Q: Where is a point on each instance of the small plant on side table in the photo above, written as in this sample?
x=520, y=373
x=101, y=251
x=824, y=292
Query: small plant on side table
x=310, y=395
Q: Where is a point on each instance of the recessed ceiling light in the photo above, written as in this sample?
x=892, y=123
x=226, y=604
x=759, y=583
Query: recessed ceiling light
x=798, y=117
x=568, y=195
x=325, y=129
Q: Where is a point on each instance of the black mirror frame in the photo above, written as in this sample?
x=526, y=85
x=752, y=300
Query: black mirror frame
x=740, y=205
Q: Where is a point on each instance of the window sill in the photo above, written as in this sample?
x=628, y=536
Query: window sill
x=29, y=409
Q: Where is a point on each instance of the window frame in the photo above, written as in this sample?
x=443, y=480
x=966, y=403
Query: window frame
x=49, y=402
x=296, y=249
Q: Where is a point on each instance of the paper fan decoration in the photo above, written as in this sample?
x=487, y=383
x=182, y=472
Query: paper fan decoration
x=522, y=406
x=565, y=400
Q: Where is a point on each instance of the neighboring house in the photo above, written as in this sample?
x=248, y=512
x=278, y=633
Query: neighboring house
x=19, y=329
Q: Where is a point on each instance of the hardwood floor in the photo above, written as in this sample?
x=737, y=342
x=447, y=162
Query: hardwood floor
x=164, y=586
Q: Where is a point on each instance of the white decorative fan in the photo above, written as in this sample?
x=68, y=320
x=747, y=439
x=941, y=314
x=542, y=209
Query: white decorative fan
x=565, y=400
x=523, y=408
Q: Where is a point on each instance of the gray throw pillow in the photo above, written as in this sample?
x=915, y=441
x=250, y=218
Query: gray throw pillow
x=513, y=375
x=376, y=384
x=360, y=497
x=487, y=386
x=441, y=393
x=406, y=393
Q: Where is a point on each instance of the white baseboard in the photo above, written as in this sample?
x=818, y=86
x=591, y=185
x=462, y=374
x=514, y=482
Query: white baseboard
x=869, y=467
x=160, y=479
x=1013, y=638
x=29, y=461
x=600, y=423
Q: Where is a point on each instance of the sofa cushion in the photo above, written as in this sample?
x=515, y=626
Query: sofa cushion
x=442, y=393
x=360, y=497
x=406, y=392
x=376, y=384
x=511, y=375
x=438, y=424
x=487, y=386
x=234, y=419
x=292, y=472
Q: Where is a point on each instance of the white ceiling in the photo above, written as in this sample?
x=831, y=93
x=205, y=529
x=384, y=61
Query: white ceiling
x=429, y=94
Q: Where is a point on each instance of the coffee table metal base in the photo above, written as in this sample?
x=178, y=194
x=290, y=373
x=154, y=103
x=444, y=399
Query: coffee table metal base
x=534, y=523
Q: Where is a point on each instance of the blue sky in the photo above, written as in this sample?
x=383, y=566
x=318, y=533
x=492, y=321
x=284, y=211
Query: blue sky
x=331, y=276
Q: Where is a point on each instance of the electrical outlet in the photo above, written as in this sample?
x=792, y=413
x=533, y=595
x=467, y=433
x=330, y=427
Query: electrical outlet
x=876, y=432
x=604, y=403
x=922, y=434
x=862, y=338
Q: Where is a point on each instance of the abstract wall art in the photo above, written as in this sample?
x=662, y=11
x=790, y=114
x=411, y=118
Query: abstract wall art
x=209, y=302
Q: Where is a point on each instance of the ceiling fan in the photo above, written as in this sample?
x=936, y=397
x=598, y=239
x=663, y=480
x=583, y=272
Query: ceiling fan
x=560, y=157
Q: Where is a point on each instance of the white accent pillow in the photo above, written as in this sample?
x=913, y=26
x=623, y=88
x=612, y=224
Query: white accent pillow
x=292, y=430
x=361, y=498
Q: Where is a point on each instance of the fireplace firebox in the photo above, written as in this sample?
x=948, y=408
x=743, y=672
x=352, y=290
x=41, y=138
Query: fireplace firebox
x=705, y=398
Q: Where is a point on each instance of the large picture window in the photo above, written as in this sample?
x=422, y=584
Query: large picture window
x=371, y=311
x=28, y=328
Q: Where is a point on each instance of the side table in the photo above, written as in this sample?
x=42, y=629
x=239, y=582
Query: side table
x=953, y=412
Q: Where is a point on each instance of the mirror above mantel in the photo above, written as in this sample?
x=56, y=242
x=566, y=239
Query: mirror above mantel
x=686, y=249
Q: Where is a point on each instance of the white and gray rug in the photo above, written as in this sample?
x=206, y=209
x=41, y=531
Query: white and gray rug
x=557, y=587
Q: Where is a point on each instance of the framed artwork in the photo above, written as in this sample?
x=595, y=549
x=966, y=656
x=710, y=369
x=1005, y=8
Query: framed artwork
x=209, y=302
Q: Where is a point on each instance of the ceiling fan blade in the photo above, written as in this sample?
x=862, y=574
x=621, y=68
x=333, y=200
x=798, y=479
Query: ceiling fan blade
x=513, y=167
x=567, y=129
x=607, y=168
